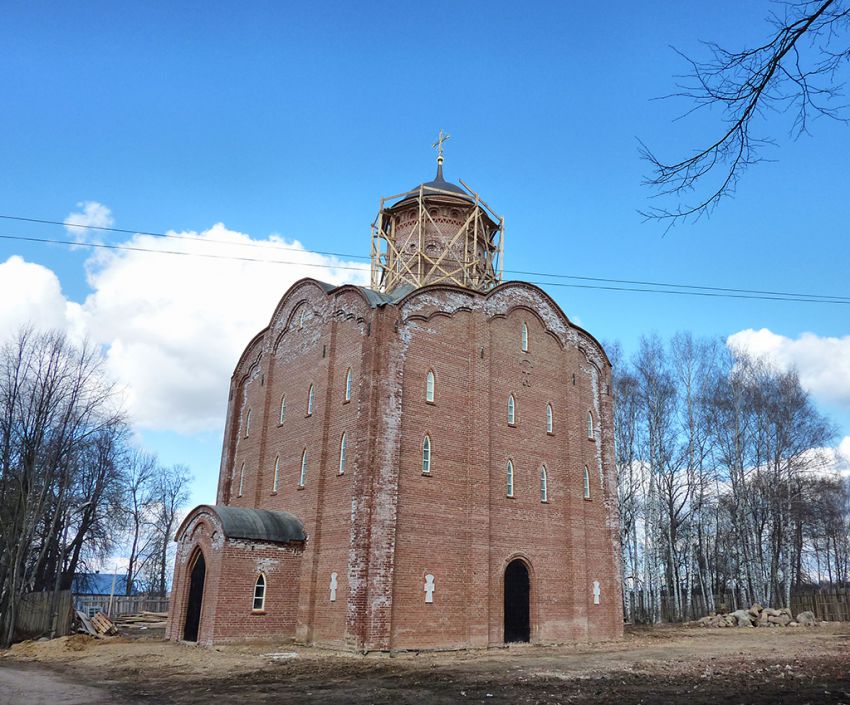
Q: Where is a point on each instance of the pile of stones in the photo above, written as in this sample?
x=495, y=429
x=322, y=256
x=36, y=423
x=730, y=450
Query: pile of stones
x=758, y=616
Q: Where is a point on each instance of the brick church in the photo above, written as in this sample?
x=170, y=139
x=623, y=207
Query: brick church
x=424, y=463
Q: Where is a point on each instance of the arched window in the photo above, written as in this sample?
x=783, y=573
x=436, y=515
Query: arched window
x=302, y=478
x=241, y=480
x=310, y=401
x=544, y=484
x=429, y=386
x=348, y=385
x=524, y=337
x=276, y=479
x=509, y=478
x=511, y=410
x=247, y=423
x=426, y=455
x=342, y=447
x=282, y=417
x=259, y=594
x=586, y=483
x=549, y=420
x=590, y=424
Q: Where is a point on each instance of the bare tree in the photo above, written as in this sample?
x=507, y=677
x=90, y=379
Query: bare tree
x=718, y=457
x=55, y=405
x=795, y=69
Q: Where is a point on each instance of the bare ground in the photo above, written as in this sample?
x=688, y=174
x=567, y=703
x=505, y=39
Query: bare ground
x=654, y=665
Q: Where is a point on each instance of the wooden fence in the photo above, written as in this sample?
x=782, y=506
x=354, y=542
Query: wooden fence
x=831, y=604
x=119, y=605
x=35, y=614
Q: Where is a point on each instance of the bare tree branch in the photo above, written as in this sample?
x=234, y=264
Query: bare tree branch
x=794, y=70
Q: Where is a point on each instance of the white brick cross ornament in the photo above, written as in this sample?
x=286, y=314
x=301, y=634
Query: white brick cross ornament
x=596, y=592
x=429, y=588
x=333, y=587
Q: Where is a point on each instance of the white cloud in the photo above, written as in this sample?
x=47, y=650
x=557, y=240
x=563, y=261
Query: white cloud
x=823, y=363
x=92, y=215
x=32, y=295
x=174, y=326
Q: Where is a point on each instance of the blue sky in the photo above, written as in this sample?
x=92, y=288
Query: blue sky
x=293, y=119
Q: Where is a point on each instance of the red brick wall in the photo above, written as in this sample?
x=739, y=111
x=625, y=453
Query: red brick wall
x=383, y=525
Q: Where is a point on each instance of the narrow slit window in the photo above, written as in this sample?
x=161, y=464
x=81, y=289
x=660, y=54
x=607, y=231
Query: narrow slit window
x=303, y=477
x=524, y=337
x=343, y=442
x=241, y=480
x=276, y=479
x=282, y=416
x=549, y=420
x=509, y=478
x=247, y=423
x=586, y=483
x=348, y=385
x=590, y=424
x=511, y=410
x=310, y=393
x=429, y=387
x=259, y=594
x=426, y=455
x=544, y=484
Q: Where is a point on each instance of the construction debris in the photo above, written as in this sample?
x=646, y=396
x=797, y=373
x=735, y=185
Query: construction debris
x=758, y=616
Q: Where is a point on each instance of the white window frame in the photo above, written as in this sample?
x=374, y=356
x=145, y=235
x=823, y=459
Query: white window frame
x=550, y=420
x=347, y=395
x=248, y=422
x=276, y=477
x=544, y=484
x=590, y=424
x=302, y=478
x=343, y=442
x=511, y=410
x=524, y=345
x=261, y=586
x=310, y=394
x=282, y=415
x=509, y=478
x=430, y=386
x=241, y=479
x=586, y=482
x=426, y=455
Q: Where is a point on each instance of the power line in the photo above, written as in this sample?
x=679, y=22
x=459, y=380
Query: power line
x=206, y=255
x=794, y=295
x=710, y=294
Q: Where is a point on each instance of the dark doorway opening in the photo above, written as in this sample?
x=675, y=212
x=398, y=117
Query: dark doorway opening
x=517, y=597
x=196, y=597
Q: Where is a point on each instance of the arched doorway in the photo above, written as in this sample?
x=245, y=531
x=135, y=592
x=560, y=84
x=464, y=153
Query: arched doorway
x=517, y=602
x=196, y=598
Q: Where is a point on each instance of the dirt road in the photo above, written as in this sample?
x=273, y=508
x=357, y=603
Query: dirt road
x=24, y=683
x=665, y=665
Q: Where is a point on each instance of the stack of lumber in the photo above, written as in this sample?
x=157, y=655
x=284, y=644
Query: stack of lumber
x=143, y=620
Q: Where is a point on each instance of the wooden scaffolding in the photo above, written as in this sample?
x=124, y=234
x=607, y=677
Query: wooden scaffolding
x=470, y=256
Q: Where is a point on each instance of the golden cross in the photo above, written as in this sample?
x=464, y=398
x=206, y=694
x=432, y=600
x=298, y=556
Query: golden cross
x=438, y=145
